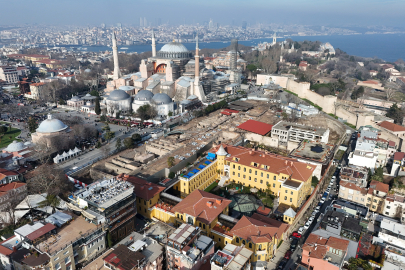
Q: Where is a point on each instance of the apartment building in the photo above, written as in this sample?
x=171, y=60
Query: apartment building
x=354, y=174
x=287, y=131
x=231, y=257
x=376, y=194
x=319, y=253
x=394, y=207
x=11, y=194
x=187, y=249
x=110, y=202
x=9, y=74
x=36, y=91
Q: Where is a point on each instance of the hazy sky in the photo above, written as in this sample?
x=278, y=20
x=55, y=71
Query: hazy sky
x=95, y=12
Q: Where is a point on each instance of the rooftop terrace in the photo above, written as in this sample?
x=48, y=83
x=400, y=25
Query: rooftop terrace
x=319, y=152
x=204, y=163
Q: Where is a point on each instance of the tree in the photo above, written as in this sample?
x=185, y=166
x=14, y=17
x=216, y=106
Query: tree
x=94, y=93
x=62, y=101
x=378, y=174
x=357, y=93
x=3, y=129
x=146, y=112
x=97, y=108
x=128, y=143
x=118, y=144
x=48, y=179
x=136, y=137
x=170, y=162
x=170, y=114
x=109, y=135
x=171, y=175
x=106, y=127
x=103, y=118
x=51, y=200
x=32, y=124
x=315, y=181
x=395, y=113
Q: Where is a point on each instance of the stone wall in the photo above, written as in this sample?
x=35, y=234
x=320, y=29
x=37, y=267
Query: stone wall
x=117, y=169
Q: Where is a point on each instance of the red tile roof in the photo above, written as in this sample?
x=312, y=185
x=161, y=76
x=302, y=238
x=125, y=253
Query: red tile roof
x=317, y=246
x=123, y=258
x=379, y=186
x=41, y=231
x=258, y=228
x=399, y=155
x=276, y=164
x=225, y=113
x=142, y=188
x=256, y=127
x=202, y=205
x=7, y=187
x=391, y=126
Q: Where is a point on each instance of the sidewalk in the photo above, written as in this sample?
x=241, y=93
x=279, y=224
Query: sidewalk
x=279, y=255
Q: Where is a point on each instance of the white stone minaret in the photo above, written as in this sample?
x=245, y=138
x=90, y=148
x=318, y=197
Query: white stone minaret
x=117, y=72
x=153, y=44
x=197, y=64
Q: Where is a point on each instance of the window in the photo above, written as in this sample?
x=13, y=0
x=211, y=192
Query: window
x=204, y=226
x=69, y=267
x=255, y=172
x=244, y=176
x=250, y=170
x=274, y=185
x=233, y=173
x=144, y=202
x=178, y=216
x=268, y=176
x=387, y=213
x=57, y=266
x=233, y=166
x=261, y=174
x=255, y=179
x=237, y=240
x=250, y=245
x=67, y=260
x=239, y=168
x=243, y=242
x=285, y=198
x=261, y=181
x=292, y=192
x=286, y=191
x=260, y=247
x=244, y=169
x=66, y=252
x=267, y=183
x=388, y=207
x=57, y=258
x=238, y=174
x=250, y=178
x=259, y=258
x=290, y=199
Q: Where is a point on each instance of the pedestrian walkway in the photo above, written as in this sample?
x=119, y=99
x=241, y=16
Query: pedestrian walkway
x=279, y=255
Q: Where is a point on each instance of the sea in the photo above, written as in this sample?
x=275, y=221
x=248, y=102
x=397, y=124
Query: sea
x=389, y=47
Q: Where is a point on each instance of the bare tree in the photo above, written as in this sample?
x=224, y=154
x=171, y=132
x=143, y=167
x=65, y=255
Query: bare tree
x=52, y=90
x=48, y=179
x=13, y=198
x=389, y=92
x=105, y=150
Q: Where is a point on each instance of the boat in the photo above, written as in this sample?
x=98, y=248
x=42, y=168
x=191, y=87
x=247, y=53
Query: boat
x=124, y=48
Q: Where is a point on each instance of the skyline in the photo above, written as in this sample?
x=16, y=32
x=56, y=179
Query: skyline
x=94, y=12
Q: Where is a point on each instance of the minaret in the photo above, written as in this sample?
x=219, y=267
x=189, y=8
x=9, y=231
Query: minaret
x=197, y=65
x=117, y=72
x=153, y=44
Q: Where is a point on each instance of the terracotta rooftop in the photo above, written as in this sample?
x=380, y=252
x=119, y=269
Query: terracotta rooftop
x=276, y=164
x=352, y=186
x=7, y=187
x=142, y=188
x=41, y=231
x=391, y=126
x=379, y=186
x=256, y=127
x=123, y=258
x=317, y=245
x=399, y=155
x=258, y=228
x=203, y=205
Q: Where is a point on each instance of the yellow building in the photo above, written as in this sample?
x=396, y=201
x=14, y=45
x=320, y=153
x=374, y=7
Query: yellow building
x=376, y=196
x=201, y=209
x=259, y=234
x=286, y=178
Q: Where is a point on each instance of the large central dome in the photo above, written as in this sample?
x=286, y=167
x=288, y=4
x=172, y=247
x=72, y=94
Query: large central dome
x=174, y=47
x=174, y=50
x=118, y=95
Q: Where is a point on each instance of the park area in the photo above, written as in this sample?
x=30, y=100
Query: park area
x=8, y=134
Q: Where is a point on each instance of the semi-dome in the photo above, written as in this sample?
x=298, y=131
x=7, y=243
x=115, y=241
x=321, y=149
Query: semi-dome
x=126, y=88
x=174, y=47
x=51, y=125
x=75, y=98
x=118, y=95
x=15, y=147
x=161, y=98
x=144, y=95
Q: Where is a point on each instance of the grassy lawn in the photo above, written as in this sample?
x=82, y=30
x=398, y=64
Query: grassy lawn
x=339, y=154
x=9, y=137
x=211, y=187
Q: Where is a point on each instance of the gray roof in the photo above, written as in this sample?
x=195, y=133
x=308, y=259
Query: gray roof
x=15, y=146
x=75, y=98
x=221, y=151
x=162, y=98
x=126, y=88
x=174, y=47
x=51, y=125
x=183, y=83
x=117, y=95
x=144, y=95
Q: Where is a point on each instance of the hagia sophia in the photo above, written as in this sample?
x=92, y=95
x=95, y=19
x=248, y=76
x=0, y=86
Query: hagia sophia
x=170, y=80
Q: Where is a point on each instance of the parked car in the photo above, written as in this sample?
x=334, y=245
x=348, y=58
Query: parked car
x=301, y=230
x=282, y=264
x=318, y=208
x=294, y=244
x=322, y=200
x=306, y=226
x=296, y=234
x=287, y=255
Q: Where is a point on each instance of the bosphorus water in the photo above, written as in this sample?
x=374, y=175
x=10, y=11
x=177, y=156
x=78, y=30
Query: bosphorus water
x=389, y=47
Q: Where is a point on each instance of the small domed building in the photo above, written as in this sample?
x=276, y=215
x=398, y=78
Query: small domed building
x=163, y=103
x=118, y=100
x=49, y=129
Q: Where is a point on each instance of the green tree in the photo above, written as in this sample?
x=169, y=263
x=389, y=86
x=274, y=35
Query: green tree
x=3, y=129
x=170, y=162
x=94, y=93
x=251, y=67
x=170, y=114
x=136, y=137
x=171, y=175
x=32, y=124
x=51, y=201
x=128, y=143
x=103, y=118
x=378, y=174
x=395, y=113
x=62, y=101
x=106, y=127
x=109, y=135
x=314, y=181
x=97, y=109
x=118, y=114
x=118, y=144
x=357, y=93
x=109, y=240
x=98, y=145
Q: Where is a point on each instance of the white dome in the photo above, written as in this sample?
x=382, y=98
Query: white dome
x=51, y=125
x=144, y=95
x=161, y=98
x=174, y=47
x=117, y=95
x=15, y=146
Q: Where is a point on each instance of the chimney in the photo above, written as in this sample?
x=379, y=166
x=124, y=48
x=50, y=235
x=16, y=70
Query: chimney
x=209, y=204
x=286, y=162
x=251, y=153
x=292, y=163
x=218, y=201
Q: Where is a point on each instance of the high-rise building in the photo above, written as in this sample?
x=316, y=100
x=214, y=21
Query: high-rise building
x=119, y=25
x=103, y=25
x=145, y=22
x=211, y=24
x=244, y=24
x=141, y=22
x=234, y=54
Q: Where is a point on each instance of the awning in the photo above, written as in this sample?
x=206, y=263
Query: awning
x=74, y=207
x=88, y=215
